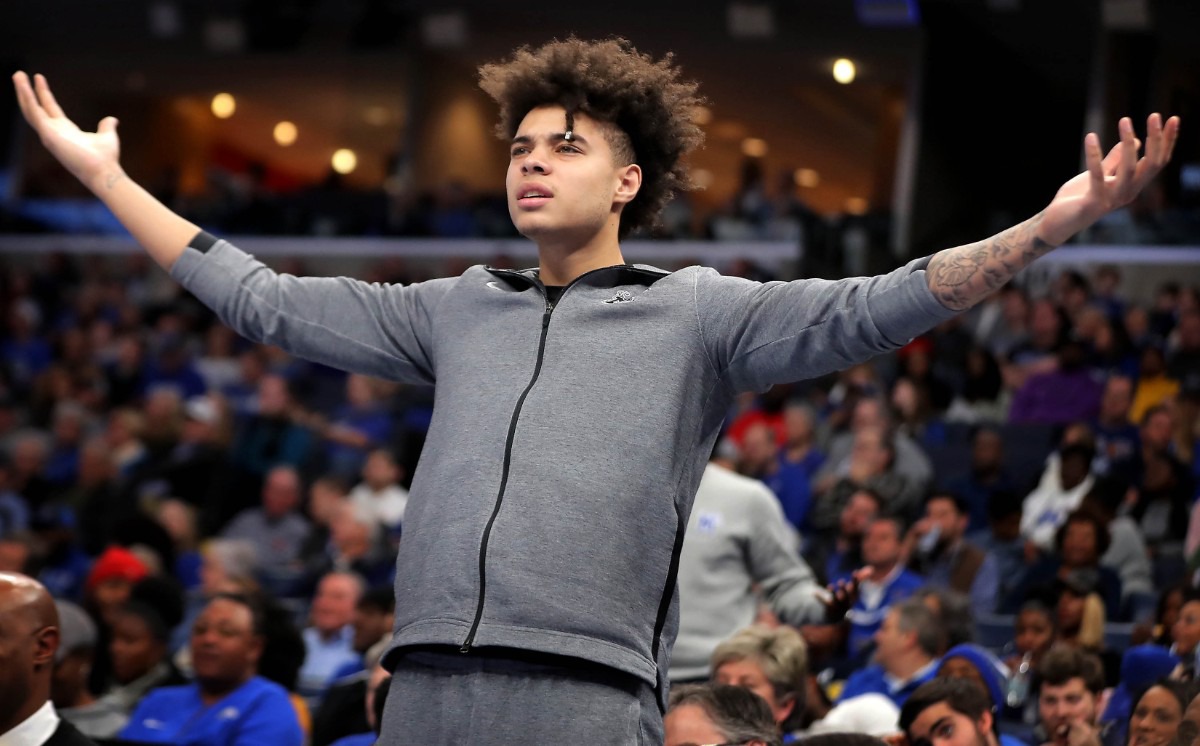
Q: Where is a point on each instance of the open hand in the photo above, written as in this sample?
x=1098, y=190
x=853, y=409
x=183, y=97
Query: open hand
x=87, y=155
x=1109, y=182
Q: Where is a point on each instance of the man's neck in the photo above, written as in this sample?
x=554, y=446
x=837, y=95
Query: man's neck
x=562, y=261
x=908, y=665
x=32, y=704
x=881, y=573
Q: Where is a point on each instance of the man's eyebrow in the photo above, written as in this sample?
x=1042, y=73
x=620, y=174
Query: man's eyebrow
x=556, y=137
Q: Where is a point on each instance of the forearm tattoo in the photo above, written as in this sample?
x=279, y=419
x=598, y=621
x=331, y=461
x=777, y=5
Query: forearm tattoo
x=111, y=180
x=965, y=275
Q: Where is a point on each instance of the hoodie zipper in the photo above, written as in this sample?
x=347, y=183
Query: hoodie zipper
x=508, y=444
x=512, y=430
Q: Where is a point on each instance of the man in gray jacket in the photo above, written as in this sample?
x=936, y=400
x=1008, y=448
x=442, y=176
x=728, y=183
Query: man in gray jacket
x=736, y=539
x=576, y=403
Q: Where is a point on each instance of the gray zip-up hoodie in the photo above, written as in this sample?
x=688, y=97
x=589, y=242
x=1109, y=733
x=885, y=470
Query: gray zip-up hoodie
x=549, y=506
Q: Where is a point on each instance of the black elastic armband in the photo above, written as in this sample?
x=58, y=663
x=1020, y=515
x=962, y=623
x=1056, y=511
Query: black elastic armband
x=203, y=241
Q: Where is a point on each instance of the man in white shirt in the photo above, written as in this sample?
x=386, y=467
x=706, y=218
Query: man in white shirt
x=28, y=642
x=380, y=494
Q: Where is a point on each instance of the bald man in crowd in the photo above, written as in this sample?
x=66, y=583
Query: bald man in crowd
x=28, y=641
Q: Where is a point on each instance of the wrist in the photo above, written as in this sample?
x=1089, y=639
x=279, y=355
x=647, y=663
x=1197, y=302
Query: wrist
x=104, y=179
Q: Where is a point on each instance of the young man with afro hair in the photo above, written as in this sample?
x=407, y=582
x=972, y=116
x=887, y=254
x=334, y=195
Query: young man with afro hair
x=576, y=402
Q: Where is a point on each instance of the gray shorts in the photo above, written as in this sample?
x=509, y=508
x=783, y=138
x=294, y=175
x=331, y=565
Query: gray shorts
x=489, y=699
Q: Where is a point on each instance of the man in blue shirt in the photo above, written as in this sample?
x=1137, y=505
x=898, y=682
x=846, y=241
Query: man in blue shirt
x=227, y=704
x=907, y=653
x=890, y=582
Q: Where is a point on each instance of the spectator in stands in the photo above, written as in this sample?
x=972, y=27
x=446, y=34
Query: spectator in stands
x=1070, y=684
x=111, y=580
x=738, y=552
x=761, y=459
x=96, y=498
x=227, y=702
x=14, y=511
x=977, y=665
x=914, y=416
x=68, y=428
x=329, y=638
x=123, y=436
x=1046, y=508
x=377, y=685
x=908, y=646
x=1183, y=363
x=356, y=545
x=890, y=582
x=1127, y=554
x=985, y=478
x=123, y=375
x=1117, y=441
x=326, y=497
x=872, y=465
x=227, y=566
x=935, y=548
x=982, y=399
x=1154, y=385
x=1079, y=544
x=833, y=556
x=949, y=712
x=16, y=552
x=1002, y=323
x=95, y=718
x=276, y=529
x=1035, y=629
x=953, y=611
x=1080, y=615
x=269, y=436
x=1068, y=393
x=29, y=640
x=194, y=470
x=218, y=364
x=1185, y=635
x=343, y=708
x=172, y=366
x=909, y=461
x=138, y=651
x=1158, y=714
x=915, y=362
x=800, y=456
x=715, y=713
x=1038, y=354
x=1164, y=493
x=380, y=495
x=772, y=663
x=357, y=428
x=1141, y=667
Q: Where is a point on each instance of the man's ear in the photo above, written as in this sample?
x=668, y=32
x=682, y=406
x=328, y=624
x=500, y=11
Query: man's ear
x=629, y=181
x=45, y=645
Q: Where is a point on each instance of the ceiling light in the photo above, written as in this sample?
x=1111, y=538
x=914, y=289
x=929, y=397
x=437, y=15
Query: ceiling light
x=285, y=133
x=844, y=71
x=344, y=161
x=223, y=105
x=754, y=147
x=806, y=177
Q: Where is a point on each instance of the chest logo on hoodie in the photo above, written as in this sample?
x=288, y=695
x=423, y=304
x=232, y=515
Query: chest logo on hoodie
x=708, y=523
x=622, y=296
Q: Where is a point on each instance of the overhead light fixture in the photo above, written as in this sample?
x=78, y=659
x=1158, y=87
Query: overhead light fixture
x=806, y=178
x=856, y=206
x=285, y=133
x=223, y=105
x=344, y=161
x=754, y=147
x=844, y=71
x=701, y=115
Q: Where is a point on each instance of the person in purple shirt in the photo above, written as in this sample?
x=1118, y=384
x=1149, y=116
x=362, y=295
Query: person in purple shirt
x=1068, y=394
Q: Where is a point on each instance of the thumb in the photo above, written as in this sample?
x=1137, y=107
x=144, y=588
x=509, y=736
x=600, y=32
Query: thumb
x=108, y=125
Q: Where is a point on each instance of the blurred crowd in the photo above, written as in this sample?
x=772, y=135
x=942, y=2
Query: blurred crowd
x=1021, y=482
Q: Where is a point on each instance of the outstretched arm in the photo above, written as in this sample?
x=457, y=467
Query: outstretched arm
x=94, y=159
x=965, y=275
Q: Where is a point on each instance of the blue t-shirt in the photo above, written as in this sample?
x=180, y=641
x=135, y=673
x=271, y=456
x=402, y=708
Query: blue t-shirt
x=255, y=714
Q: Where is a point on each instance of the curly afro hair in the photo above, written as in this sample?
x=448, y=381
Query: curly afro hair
x=611, y=82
